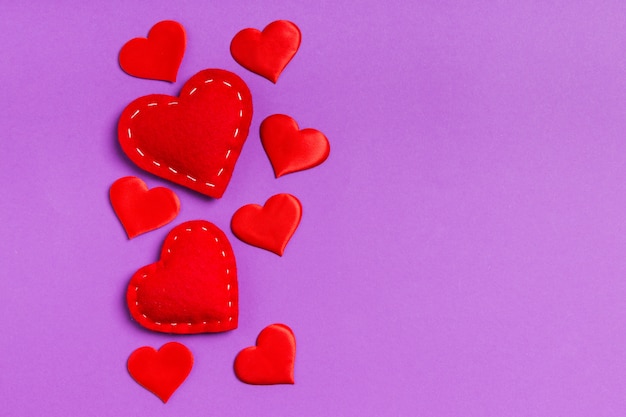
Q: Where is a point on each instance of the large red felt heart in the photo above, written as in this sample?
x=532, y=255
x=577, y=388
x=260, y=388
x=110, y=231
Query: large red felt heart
x=195, y=139
x=160, y=371
x=193, y=286
x=158, y=56
x=266, y=53
x=290, y=149
x=271, y=361
x=271, y=226
x=141, y=210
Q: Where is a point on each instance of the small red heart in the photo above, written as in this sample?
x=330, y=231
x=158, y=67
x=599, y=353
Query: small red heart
x=195, y=139
x=193, y=286
x=158, y=56
x=290, y=149
x=141, y=210
x=269, y=227
x=266, y=53
x=271, y=361
x=161, y=371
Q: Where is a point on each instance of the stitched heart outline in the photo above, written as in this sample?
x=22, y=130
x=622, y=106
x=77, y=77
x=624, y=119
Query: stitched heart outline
x=192, y=288
x=194, y=139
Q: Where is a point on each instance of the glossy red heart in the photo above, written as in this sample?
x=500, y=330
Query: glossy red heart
x=158, y=56
x=290, y=149
x=271, y=361
x=266, y=53
x=193, y=286
x=139, y=209
x=160, y=371
x=270, y=226
x=195, y=139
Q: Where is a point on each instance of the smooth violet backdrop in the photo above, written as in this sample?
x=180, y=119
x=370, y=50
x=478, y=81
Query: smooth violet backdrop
x=462, y=251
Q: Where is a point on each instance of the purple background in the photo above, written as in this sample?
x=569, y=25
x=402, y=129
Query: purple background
x=462, y=251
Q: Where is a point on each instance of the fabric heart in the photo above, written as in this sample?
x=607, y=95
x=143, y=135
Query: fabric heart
x=269, y=227
x=193, y=286
x=195, y=139
x=158, y=56
x=271, y=361
x=160, y=371
x=141, y=210
x=290, y=149
x=266, y=53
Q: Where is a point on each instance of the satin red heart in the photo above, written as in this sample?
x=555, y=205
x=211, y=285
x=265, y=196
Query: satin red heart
x=290, y=149
x=139, y=209
x=195, y=139
x=192, y=288
x=271, y=361
x=158, y=56
x=161, y=371
x=266, y=53
x=269, y=226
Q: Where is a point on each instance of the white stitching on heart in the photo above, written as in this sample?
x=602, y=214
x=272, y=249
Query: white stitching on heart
x=228, y=285
x=176, y=171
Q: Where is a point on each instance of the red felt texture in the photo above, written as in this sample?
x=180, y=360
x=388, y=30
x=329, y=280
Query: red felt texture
x=158, y=56
x=195, y=139
x=290, y=149
x=271, y=361
x=160, y=371
x=139, y=209
x=193, y=286
x=266, y=53
x=269, y=226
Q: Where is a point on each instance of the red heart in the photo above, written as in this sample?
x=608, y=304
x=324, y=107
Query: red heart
x=271, y=361
x=193, y=140
x=160, y=371
x=290, y=149
x=266, y=53
x=141, y=210
x=158, y=56
x=193, y=286
x=271, y=226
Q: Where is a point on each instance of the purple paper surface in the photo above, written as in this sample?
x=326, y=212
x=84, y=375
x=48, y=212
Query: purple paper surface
x=462, y=251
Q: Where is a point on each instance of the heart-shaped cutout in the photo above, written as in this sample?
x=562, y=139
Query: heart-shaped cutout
x=158, y=56
x=195, y=139
x=271, y=361
x=269, y=226
x=161, y=371
x=193, y=286
x=290, y=149
x=266, y=53
x=139, y=209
